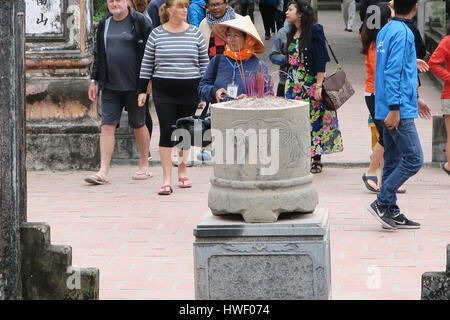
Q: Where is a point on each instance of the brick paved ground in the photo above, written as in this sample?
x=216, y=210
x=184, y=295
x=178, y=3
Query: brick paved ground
x=142, y=243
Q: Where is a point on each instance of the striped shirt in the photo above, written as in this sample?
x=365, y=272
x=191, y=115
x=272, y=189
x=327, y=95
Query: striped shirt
x=169, y=55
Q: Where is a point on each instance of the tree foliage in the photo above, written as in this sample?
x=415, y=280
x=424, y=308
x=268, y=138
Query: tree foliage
x=100, y=8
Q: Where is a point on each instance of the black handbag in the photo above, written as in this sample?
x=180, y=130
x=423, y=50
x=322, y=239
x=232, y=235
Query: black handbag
x=198, y=126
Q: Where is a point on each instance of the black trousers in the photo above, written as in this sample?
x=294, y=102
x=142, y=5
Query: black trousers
x=268, y=16
x=148, y=118
x=247, y=9
x=280, y=89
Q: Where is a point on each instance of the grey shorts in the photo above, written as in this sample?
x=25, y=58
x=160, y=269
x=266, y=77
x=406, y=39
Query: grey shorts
x=445, y=103
x=113, y=103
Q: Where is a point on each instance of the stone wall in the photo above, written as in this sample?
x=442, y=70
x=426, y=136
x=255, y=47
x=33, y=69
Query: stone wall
x=62, y=123
x=12, y=146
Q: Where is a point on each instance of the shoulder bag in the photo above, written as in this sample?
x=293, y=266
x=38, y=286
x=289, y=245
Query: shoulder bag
x=198, y=125
x=336, y=89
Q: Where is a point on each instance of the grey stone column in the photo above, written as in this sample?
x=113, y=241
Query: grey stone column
x=12, y=145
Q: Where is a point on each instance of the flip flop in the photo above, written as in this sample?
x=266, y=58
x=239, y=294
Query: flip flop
x=368, y=186
x=184, y=182
x=142, y=175
x=165, y=190
x=96, y=179
x=443, y=168
x=375, y=179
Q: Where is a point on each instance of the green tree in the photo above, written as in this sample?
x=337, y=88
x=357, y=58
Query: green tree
x=100, y=8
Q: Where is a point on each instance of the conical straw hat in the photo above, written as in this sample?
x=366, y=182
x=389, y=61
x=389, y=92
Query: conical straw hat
x=244, y=24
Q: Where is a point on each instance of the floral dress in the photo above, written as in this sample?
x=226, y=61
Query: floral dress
x=325, y=134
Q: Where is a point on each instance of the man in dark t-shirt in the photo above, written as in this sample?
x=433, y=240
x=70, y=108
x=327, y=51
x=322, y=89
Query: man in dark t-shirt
x=120, y=45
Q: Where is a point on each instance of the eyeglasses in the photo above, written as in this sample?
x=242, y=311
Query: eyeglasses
x=216, y=5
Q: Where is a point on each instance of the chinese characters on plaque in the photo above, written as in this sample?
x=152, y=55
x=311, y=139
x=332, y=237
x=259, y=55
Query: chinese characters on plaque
x=44, y=18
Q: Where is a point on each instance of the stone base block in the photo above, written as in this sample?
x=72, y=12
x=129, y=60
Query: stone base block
x=63, y=147
x=436, y=285
x=439, y=140
x=47, y=273
x=289, y=259
x=257, y=202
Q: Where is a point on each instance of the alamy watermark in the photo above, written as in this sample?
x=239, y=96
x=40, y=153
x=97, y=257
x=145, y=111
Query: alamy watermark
x=73, y=281
x=238, y=146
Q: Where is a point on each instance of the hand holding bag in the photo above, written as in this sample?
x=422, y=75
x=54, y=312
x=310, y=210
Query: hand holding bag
x=336, y=89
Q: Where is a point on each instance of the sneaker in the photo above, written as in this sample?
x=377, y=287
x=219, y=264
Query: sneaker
x=404, y=223
x=381, y=213
x=204, y=156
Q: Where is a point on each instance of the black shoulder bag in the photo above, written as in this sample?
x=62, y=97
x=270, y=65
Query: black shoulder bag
x=198, y=125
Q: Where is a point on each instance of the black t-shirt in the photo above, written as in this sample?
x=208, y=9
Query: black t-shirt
x=121, y=56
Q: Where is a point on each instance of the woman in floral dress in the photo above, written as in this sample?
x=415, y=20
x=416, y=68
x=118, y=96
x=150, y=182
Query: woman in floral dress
x=307, y=56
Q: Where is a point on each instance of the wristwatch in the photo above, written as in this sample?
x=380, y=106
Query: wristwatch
x=93, y=81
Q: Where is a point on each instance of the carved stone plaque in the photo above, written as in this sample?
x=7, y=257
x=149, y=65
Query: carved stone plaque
x=45, y=20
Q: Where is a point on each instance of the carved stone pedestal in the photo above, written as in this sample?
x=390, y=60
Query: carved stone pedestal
x=261, y=153
x=289, y=259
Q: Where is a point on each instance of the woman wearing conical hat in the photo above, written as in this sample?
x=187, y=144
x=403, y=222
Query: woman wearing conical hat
x=239, y=65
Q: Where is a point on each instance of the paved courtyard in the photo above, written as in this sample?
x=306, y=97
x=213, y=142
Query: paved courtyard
x=142, y=242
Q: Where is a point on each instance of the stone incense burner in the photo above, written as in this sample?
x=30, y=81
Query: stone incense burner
x=261, y=152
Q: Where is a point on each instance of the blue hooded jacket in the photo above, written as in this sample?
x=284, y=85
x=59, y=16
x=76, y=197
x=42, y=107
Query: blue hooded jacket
x=196, y=13
x=396, y=71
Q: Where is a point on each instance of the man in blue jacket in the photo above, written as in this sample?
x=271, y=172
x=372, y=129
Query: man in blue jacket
x=196, y=12
x=396, y=104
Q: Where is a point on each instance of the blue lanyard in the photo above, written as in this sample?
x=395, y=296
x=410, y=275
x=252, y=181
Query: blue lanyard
x=234, y=68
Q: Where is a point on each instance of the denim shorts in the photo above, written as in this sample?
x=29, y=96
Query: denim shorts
x=113, y=103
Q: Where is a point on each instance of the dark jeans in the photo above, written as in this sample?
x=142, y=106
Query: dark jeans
x=247, y=9
x=379, y=124
x=268, y=16
x=403, y=158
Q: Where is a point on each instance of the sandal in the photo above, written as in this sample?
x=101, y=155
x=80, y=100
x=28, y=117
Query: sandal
x=96, y=179
x=142, y=175
x=316, y=167
x=366, y=180
x=184, y=182
x=445, y=169
x=375, y=179
x=165, y=190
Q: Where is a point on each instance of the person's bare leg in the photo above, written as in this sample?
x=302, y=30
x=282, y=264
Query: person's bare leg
x=107, y=141
x=447, y=145
x=375, y=163
x=182, y=160
x=166, y=163
x=143, y=142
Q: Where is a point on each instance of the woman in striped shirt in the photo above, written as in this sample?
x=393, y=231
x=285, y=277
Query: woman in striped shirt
x=175, y=60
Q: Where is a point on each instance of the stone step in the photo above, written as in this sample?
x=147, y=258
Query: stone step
x=47, y=271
